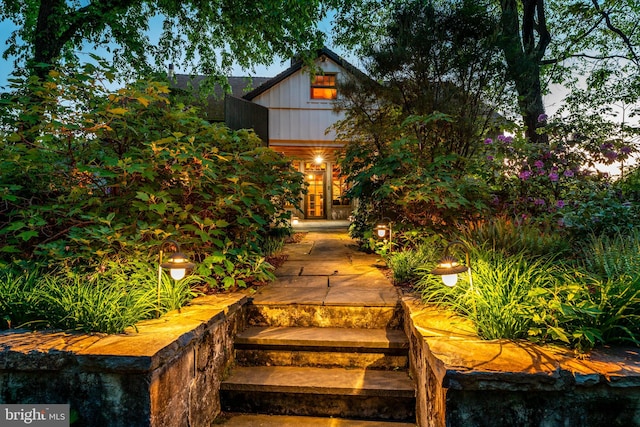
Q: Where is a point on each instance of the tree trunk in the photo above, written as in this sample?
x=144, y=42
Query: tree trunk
x=523, y=51
x=47, y=44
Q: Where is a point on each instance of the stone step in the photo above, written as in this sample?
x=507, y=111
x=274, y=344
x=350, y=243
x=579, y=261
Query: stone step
x=322, y=316
x=322, y=347
x=250, y=420
x=343, y=305
x=326, y=392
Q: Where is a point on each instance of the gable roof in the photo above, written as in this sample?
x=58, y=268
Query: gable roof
x=296, y=66
x=238, y=85
x=214, y=104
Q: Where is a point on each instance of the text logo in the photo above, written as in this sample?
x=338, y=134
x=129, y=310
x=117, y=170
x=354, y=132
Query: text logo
x=34, y=415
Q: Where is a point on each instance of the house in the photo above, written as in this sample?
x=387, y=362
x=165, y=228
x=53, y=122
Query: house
x=293, y=113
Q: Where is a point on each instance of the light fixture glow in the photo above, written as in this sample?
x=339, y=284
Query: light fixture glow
x=177, y=273
x=450, y=279
x=448, y=267
x=384, y=231
x=177, y=264
x=318, y=159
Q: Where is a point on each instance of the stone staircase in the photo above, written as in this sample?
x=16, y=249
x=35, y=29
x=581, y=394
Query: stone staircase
x=324, y=344
x=346, y=366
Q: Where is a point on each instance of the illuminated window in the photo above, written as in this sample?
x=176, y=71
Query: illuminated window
x=324, y=87
x=339, y=188
x=314, y=166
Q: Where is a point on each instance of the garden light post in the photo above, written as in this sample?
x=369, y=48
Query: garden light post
x=177, y=264
x=384, y=230
x=449, y=267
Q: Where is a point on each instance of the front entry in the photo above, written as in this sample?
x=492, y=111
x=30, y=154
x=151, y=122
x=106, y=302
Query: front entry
x=314, y=201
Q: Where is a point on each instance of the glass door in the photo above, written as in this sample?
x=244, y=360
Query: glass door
x=314, y=206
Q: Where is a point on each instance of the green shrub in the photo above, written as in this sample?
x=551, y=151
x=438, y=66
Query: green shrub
x=274, y=241
x=92, y=306
x=582, y=303
x=18, y=300
x=143, y=276
x=601, y=305
x=87, y=176
x=496, y=298
x=407, y=264
x=604, y=212
x=583, y=312
x=510, y=238
x=613, y=257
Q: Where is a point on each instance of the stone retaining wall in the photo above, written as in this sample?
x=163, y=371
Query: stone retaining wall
x=168, y=373
x=463, y=381
x=165, y=374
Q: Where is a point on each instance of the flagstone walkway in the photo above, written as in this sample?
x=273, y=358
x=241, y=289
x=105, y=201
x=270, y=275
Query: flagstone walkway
x=327, y=268
x=328, y=328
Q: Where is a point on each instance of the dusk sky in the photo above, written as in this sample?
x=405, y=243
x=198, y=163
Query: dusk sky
x=6, y=65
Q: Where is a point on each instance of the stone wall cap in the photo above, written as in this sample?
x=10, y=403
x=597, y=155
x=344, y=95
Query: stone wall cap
x=461, y=360
x=138, y=349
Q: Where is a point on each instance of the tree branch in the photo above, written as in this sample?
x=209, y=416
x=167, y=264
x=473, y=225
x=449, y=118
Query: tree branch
x=581, y=55
x=543, y=31
x=617, y=31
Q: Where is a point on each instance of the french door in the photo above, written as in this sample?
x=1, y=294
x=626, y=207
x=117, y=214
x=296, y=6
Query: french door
x=314, y=201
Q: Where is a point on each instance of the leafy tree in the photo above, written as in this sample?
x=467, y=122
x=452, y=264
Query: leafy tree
x=541, y=42
x=524, y=40
x=409, y=136
x=207, y=37
x=111, y=175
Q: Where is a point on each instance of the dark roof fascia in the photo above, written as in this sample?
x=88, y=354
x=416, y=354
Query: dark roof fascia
x=297, y=66
x=237, y=84
x=274, y=81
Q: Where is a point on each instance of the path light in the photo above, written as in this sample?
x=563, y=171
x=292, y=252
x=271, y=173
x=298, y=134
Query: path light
x=295, y=220
x=449, y=267
x=177, y=264
x=384, y=231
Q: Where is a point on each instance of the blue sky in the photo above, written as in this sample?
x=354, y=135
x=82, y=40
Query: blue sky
x=6, y=65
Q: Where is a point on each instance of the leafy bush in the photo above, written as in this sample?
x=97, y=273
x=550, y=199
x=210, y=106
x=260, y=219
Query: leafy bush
x=496, y=298
x=406, y=264
x=613, y=257
x=274, y=241
x=18, y=301
x=605, y=212
x=510, y=238
x=87, y=176
x=602, y=302
x=584, y=312
x=90, y=178
x=629, y=185
x=555, y=186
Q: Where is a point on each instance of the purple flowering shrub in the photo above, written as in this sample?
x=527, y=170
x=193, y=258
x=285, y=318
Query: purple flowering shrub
x=534, y=181
x=555, y=184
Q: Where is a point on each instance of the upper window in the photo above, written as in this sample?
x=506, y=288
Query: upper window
x=324, y=87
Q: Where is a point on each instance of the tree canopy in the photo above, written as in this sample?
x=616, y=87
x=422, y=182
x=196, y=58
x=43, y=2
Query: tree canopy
x=206, y=37
x=541, y=42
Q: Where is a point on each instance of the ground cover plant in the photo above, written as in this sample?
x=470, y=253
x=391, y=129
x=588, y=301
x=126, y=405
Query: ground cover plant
x=523, y=287
x=92, y=178
x=108, y=302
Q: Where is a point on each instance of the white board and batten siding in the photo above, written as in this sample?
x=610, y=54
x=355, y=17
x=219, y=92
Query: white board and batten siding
x=296, y=118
